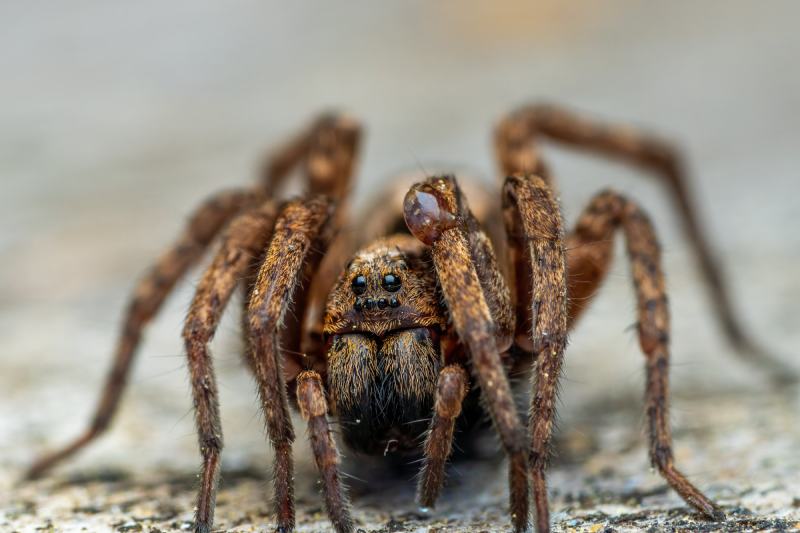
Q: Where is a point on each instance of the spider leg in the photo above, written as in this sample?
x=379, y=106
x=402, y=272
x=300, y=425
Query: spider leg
x=301, y=233
x=246, y=236
x=437, y=215
x=517, y=154
x=451, y=388
x=148, y=296
x=285, y=281
x=329, y=169
x=330, y=150
x=536, y=246
x=495, y=288
x=314, y=408
x=203, y=227
x=328, y=147
x=607, y=213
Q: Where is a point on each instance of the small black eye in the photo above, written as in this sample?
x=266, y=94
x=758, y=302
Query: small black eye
x=359, y=284
x=391, y=282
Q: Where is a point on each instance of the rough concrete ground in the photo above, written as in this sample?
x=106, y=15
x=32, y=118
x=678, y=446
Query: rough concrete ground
x=116, y=118
x=600, y=482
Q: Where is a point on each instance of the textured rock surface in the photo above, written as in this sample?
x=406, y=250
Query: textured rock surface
x=601, y=480
x=117, y=118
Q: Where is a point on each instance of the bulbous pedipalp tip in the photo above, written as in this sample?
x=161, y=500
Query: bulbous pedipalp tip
x=427, y=212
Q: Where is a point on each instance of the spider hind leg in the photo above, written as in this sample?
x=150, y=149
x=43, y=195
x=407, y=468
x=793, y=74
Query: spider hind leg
x=146, y=300
x=518, y=151
x=591, y=243
x=204, y=226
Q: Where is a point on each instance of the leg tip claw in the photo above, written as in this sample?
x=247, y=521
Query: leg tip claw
x=718, y=515
x=202, y=527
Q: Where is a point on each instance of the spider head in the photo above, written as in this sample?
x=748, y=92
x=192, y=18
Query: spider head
x=388, y=285
x=383, y=321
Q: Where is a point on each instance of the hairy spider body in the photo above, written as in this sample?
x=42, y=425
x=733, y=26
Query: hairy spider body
x=435, y=309
x=383, y=347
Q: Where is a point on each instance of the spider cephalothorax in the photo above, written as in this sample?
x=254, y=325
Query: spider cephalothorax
x=419, y=323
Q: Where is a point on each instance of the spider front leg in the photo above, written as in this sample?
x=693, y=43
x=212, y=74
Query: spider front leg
x=437, y=215
x=591, y=245
x=301, y=238
x=245, y=238
x=314, y=409
x=302, y=232
x=451, y=388
x=536, y=245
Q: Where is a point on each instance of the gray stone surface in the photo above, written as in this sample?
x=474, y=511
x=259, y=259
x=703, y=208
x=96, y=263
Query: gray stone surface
x=118, y=117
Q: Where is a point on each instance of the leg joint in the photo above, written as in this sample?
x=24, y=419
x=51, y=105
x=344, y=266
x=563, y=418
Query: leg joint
x=450, y=391
x=261, y=322
x=311, y=395
x=195, y=331
x=210, y=444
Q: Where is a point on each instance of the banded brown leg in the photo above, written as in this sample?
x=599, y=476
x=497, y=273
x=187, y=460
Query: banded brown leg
x=314, y=409
x=244, y=239
x=149, y=295
x=608, y=213
x=451, y=388
x=536, y=245
x=518, y=153
x=437, y=215
x=301, y=235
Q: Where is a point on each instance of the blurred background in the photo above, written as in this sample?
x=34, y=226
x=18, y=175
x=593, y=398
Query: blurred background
x=117, y=118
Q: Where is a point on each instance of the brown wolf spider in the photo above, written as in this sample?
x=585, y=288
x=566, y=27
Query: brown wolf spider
x=424, y=318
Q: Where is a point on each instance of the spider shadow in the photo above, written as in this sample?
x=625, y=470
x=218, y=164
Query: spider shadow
x=476, y=468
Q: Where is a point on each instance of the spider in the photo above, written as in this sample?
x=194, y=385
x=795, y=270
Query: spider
x=415, y=321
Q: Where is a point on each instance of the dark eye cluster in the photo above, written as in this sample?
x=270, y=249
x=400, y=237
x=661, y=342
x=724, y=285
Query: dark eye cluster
x=390, y=282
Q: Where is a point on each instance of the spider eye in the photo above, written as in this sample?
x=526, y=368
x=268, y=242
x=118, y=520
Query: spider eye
x=359, y=284
x=391, y=282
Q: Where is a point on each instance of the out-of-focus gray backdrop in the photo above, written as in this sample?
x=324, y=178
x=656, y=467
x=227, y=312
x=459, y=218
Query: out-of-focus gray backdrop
x=117, y=118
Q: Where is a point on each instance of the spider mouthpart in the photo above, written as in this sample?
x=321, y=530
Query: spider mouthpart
x=359, y=284
x=391, y=282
